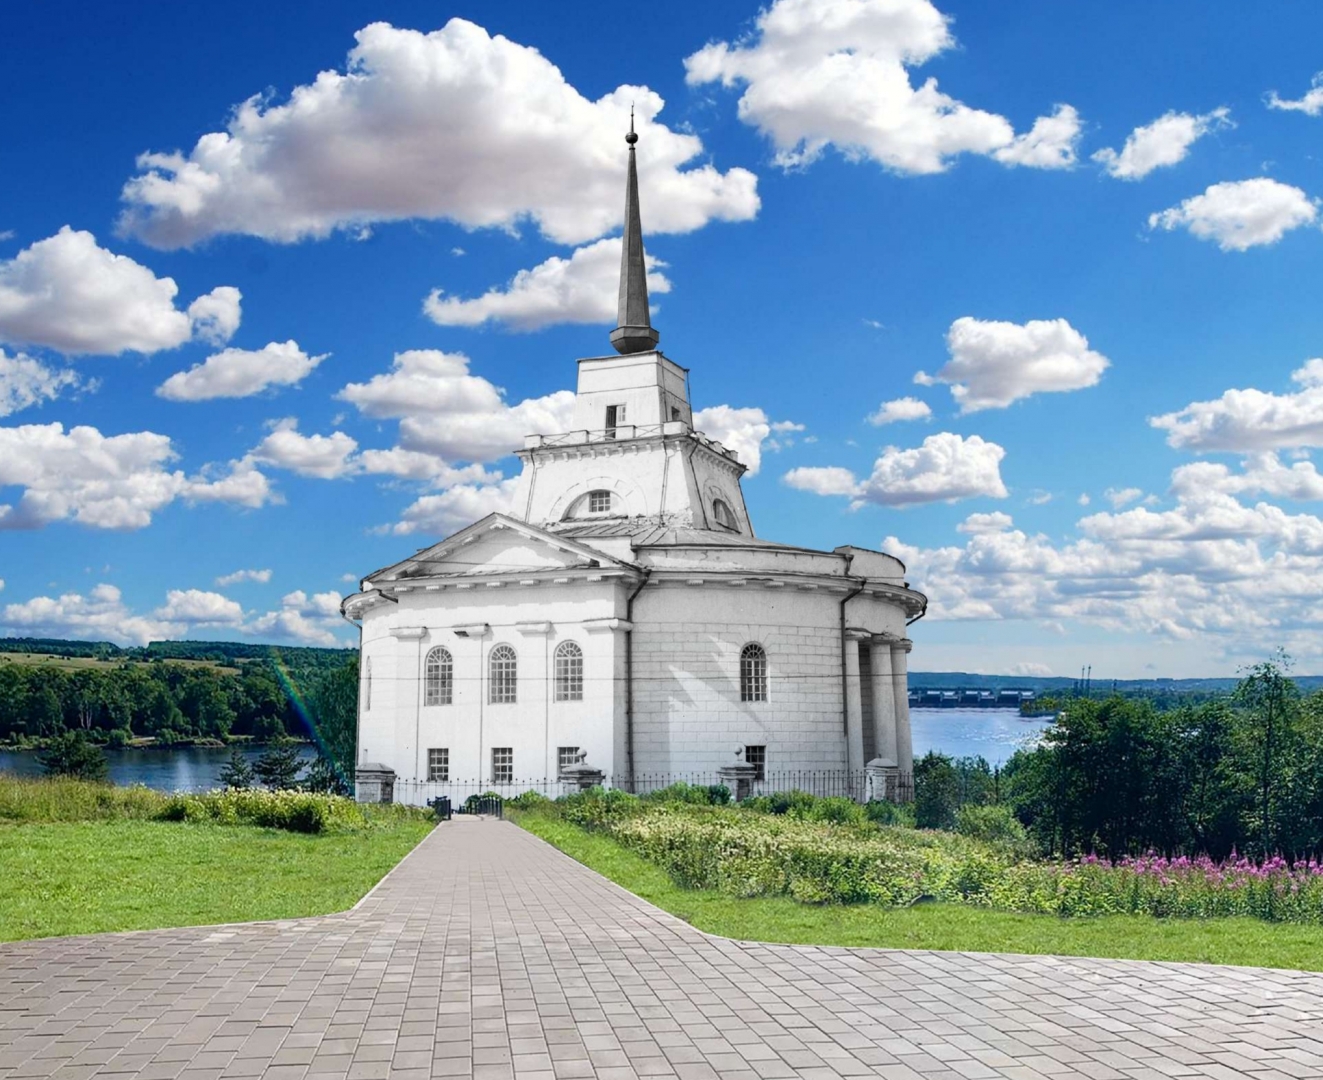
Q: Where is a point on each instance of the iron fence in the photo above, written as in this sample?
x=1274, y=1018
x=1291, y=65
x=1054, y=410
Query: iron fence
x=822, y=783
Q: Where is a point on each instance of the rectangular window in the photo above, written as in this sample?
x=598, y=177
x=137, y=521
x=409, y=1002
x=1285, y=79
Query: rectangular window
x=599, y=502
x=757, y=757
x=615, y=417
x=565, y=757
x=438, y=764
x=502, y=764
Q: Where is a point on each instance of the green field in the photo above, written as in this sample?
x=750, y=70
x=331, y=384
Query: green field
x=938, y=926
x=75, y=663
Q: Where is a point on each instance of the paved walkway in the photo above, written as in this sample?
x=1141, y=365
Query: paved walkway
x=489, y=954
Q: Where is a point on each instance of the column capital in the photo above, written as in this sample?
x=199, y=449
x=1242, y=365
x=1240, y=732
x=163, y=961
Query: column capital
x=903, y=644
x=884, y=639
x=855, y=633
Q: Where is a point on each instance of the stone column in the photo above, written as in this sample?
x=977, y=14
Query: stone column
x=900, y=680
x=884, y=700
x=854, y=710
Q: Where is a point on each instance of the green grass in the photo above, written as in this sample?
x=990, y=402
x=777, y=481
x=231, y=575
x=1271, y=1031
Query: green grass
x=91, y=876
x=938, y=926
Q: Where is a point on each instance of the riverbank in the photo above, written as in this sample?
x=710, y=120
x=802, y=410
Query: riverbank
x=163, y=767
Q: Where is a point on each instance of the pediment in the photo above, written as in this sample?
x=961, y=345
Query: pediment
x=496, y=545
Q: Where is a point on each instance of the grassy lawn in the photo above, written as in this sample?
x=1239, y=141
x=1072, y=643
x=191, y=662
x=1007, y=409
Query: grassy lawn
x=938, y=926
x=85, y=877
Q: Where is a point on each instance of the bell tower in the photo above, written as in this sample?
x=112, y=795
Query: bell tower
x=633, y=453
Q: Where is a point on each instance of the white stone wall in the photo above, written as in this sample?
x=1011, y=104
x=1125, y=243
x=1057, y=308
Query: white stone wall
x=688, y=716
x=398, y=729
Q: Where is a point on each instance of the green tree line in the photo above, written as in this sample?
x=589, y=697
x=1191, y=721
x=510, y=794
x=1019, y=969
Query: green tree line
x=1122, y=776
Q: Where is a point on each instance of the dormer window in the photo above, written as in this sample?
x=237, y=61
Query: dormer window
x=599, y=502
x=724, y=516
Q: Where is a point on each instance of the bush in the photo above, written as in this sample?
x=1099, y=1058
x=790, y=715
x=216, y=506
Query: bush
x=293, y=811
x=63, y=798
x=74, y=754
x=530, y=800
x=993, y=825
x=881, y=812
x=693, y=794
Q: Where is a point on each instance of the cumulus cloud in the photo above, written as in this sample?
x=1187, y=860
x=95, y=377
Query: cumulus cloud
x=69, y=294
x=744, y=430
x=1120, y=497
x=237, y=576
x=981, y=523
x=819, y=73
x=1261, y=473
x=108, y=482
x=238, y=373
x=200, y=608
x=946, y=468
x=1250, y=420
x=455, y=124
x=446, y=411
x=101, y=615
x=906, y=408
x=326, y=457
x=25, y=381
x=1166, y=141
x=1311, y=104
x=451, y=510
x=1240, y=214
x=580, y=289
x=996, y=363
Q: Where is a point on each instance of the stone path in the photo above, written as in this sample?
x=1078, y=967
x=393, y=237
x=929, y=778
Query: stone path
x=489, y=954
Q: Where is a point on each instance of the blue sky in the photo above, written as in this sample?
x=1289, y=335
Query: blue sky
x=1106, y=458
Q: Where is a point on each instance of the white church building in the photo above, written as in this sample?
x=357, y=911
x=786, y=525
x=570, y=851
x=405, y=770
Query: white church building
x=625, y=616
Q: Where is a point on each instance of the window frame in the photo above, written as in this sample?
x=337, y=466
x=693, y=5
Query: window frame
x=438, y=764
x=567, y=684
x=503, y=688
x=724, y=515
x=566, y=756
x=595, y=496
x=438, y=684
x=757, y=757
x=753, y=674
x=505, y=766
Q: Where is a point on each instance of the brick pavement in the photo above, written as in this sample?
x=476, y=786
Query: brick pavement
x=488, y=954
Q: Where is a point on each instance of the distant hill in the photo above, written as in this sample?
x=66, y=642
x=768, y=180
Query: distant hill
x=954, y=680
x=219, y=652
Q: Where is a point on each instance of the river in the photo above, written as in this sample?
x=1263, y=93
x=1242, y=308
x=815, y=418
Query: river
x=166, y=768
x=994, y=734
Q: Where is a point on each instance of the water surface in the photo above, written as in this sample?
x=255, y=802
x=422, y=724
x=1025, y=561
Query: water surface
x=165, y=768
x=994, y=734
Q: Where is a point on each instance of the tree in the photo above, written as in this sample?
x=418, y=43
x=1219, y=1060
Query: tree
x=237, y=773
x=333, y=711
x=1267, y=695
x=279, y=767
x=73, y=754
x=936, y=792
x=324, y=776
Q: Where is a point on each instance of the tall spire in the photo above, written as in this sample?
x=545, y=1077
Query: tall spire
x=635, y=332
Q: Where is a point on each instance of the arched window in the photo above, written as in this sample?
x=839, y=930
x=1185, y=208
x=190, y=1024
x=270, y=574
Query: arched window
x=724, y=516
x=504, y=675
x=439, y=689
x=753, y=673
x=569, y=672
x=599, y=502
x=367, y=685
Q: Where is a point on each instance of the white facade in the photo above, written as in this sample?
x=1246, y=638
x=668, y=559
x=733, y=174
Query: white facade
x=615, y=545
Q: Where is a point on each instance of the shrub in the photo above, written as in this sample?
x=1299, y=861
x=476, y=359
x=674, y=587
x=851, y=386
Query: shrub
x=64, y=798
x=882, y=812
x=692, y=794
x=993, y=825
x=530, y=800
x=74, y=754
x=293, y=811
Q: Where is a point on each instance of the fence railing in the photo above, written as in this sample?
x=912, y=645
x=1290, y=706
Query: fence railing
x=827, y=782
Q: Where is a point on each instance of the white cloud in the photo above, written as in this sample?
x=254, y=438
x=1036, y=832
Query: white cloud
x=455, y=124
x=311, y=620
x=1240, y=214
x=260, y=576
x=199, y=608
x=1120, y=497
x=67, y=293
x=444, y=410
x=238, y=373
x=216, y=316
x=1031, y=669
x=946, y=468
x=108, y=482
x=981, y=523
x=906, y=408
x=25, y=381
x=324, y=456
x=1311, y=104
x=819, y=73
x=450, y=511
x=418, y=465
x=99, y=616
x=1084, y=499
x=743, y=430
x=243, y=485
x=1166, y=141
x=580, y=289
x=1249, y=420
x=1262, y=473
x=996, y=363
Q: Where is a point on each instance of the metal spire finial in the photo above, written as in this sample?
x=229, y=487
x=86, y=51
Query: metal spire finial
x=635, y=333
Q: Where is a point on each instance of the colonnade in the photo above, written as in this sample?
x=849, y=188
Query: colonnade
x=891, y=740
